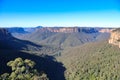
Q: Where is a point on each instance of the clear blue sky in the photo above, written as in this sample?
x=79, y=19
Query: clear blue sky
x=30, y=13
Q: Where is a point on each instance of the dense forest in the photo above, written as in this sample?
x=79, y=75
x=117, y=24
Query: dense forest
x=93, y=61
x=86, y=62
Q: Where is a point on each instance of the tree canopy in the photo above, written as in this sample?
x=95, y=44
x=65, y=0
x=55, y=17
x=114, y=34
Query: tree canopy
x=23, y=70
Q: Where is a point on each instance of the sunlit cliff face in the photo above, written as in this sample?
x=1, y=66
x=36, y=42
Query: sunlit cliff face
x=105, y=30
x=66, y=30
x=115, y=37
x=75, y=29
x=62, y=29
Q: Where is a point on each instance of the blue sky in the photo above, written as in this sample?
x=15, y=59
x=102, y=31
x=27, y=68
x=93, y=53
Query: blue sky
x=32, y=13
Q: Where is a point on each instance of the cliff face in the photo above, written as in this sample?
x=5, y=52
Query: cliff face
x=67, y=29
x=115, y=37
x=4, y=34
x=59, y=29
x=105, y=30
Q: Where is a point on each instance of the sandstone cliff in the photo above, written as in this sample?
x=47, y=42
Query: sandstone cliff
x=105, y=30
x=67, y=29
x=115, y=37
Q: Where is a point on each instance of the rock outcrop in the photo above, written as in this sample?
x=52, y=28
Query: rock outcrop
x=115, y=37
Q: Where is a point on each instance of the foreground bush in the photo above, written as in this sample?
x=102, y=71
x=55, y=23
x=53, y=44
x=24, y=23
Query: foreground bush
x=23, y=70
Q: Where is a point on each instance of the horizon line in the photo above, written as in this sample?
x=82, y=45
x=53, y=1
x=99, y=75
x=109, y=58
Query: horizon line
x=59, y=26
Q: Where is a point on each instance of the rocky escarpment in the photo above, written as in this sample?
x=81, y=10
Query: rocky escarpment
x=67, y=29
x=4, y=34
x=115, y=37
x=74, y=29
x=105, y=30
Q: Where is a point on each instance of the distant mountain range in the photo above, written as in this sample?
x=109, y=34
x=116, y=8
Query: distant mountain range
x=62, y=36
x=7, y=41
x=16, y=30
x=57, y=29
x=22, y=29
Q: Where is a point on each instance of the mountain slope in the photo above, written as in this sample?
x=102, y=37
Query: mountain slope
x=7, y=41
x=69, y=39
x=35, y=36
x=65, y=36
x=92, y=61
